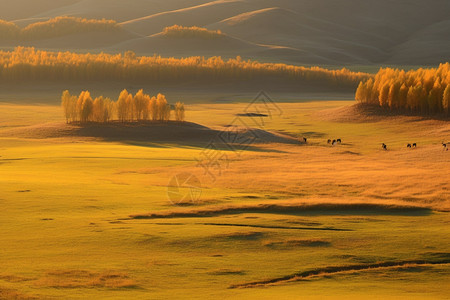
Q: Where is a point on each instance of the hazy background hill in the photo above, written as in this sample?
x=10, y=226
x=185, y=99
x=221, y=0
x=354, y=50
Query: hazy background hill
x=324, y=32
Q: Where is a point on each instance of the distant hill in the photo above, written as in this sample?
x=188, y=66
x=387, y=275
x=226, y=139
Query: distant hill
x=15, y=10
x=64, y=33
x=198, y=15
x=326, y=32
x=226, y=46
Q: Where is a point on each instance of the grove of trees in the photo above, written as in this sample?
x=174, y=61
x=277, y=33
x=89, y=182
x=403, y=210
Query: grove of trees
x=127, y=108
x=55, y=27
x=425, y=91
x=38, y=65
x=194, y=31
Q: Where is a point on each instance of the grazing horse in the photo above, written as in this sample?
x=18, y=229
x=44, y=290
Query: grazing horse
x=414, y=145
x=384, y=146
x=329, y=141
x=339, y=141
x=408, y=146
x=305, y=140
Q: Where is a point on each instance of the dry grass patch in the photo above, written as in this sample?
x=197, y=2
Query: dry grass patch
x=86, y=279
x=13, y=278
x=6, y=293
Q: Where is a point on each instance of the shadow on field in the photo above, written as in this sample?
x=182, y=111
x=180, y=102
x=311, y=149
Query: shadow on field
x=333, y=270
x=293, y=209
x=159, y=134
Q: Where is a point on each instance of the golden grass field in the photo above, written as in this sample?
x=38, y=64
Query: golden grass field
x=85, y=216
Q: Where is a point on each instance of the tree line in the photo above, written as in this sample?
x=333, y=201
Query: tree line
x=38, y=65
x=425, y=91
x=55, y=27
x=128, y=108
x=194, y=31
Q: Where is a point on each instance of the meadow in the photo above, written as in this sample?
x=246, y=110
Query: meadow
x=136, y=162
x=86, y=216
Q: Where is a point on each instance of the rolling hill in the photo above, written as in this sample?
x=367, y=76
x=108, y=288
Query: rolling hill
x=226, y=46
x=325, y=32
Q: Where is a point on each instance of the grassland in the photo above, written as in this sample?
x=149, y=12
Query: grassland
x=68, y=204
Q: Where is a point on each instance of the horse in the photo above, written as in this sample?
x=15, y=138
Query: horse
x=408, y=146
x=339, y=141
x=384, y=146
x=414, y=145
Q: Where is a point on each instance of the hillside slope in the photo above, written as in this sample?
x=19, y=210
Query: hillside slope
x=346, y=32
x=199, y=15
x=225, y=46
